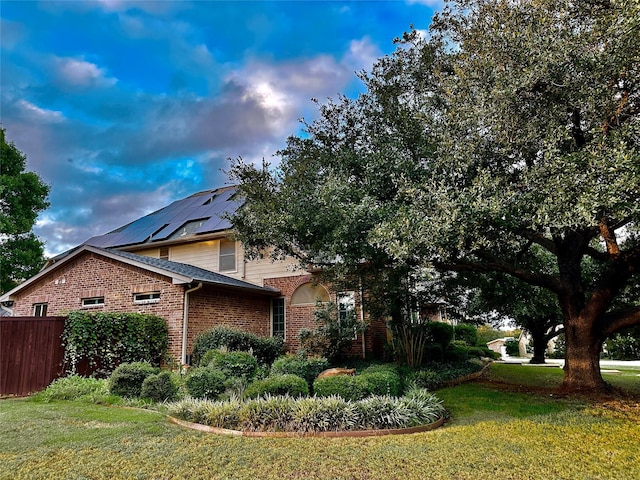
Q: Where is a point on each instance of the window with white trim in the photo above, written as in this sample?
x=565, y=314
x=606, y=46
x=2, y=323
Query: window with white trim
x=346, y=306
x=227, y=255
x=93, y=302
x=146, y=297
x=40, y=309
x=277, y=318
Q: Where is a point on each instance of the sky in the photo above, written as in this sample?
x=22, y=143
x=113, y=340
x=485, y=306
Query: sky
x=122, y=107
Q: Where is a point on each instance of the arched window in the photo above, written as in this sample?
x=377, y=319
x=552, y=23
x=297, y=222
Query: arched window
x=309, y=293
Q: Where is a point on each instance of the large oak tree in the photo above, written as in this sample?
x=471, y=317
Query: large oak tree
x=514, y=127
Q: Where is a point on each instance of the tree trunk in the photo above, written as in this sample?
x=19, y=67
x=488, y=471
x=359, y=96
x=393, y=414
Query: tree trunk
x=582, y=359
x=539, y=347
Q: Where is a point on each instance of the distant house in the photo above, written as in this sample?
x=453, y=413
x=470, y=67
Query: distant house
x=182, y=263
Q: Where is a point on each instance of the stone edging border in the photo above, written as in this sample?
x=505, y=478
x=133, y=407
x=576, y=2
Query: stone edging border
x=340, y=434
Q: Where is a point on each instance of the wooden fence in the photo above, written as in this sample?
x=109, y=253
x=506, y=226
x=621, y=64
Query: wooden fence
x=31, y=353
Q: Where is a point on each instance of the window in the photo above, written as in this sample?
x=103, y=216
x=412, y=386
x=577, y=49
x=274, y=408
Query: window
x=164, y=253
x=93, y=302
x=40, y=309
x=308, y=294
x=346, y=304
x=277, y=318
x=147, y=297
x=346, y=308
x=227, y=258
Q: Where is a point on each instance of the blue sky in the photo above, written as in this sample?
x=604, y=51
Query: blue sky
x=124, y=106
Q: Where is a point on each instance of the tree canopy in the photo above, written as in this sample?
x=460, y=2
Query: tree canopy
x=22, y=197
x=512, y=128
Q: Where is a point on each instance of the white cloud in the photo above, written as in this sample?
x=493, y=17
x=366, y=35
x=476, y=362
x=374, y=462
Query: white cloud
x=362, y=54
x=80, y=73
x=34, y=112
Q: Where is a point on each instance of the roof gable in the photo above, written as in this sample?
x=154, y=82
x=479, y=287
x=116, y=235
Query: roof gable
x=180, y=273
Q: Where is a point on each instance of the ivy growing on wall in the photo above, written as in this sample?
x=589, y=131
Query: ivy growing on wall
x=106, y=339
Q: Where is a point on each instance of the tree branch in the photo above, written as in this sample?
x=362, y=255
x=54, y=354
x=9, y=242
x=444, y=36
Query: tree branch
x=538, y=279
x=613, y=322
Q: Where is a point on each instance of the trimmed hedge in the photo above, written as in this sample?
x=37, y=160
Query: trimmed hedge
x=233, y=364
x=205, y=382
x=126, y=380
x=285, y=384
x=306, y=367
x=265, y=349
x=373, y=381
x=160, y=388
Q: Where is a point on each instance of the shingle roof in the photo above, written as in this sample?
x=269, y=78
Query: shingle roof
x=200, y=213
x=197, y=274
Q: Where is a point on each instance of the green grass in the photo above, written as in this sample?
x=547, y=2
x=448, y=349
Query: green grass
x=493, y=434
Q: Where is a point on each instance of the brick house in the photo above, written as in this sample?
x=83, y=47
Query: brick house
x=182, y=264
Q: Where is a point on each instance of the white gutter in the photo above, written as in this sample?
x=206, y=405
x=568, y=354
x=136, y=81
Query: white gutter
x=185, y=322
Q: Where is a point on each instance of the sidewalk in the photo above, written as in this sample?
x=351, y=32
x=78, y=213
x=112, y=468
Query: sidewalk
x=560, y=362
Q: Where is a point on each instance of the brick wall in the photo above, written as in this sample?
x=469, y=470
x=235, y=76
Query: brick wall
x=91, y=275
x=211, y=306
x=302, y=316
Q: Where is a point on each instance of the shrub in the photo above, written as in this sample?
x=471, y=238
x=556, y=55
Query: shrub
x=159, y=388
x=512, y=347
x=333, y=336
x=266, y=350
x=457, y=352
x=438, y=375
x=439, y=333
x=74, y=387
x=285, y=384
x=467, y=333
x=344, y=386
x=306, y=367
x=106, y=339
x=205, y=382
x=433, y=353
x=233, y=364
x=381, y=383
x=126, y=380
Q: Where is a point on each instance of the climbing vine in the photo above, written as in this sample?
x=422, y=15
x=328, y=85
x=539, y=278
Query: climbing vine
x=106, y=339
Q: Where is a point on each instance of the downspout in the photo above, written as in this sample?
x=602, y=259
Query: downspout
x=362, y=316
x=185, y=321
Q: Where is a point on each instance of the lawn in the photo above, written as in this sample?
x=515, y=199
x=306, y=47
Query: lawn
x=494, y=433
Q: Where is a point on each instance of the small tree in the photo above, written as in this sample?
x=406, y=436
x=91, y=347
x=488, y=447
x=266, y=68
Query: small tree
x=333, y=336
x=22, y=197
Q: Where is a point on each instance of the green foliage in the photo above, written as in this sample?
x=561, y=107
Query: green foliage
x=75, y=387
x=439, y=333
x=278, y=384
x=467, y=333
x=161, y=387
x=457, y=351
x=22, y=197
x=306, y=367
x=205, y=382
x=332, y=336
x=107, y=339
x=438, y=375
x=126, y=380
x=313, y=414
x=266, y=350
x=624, y=345
x=382, y=382
x=374, y=381
x=232, y=364
x=344, y=386
x=512, y=347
